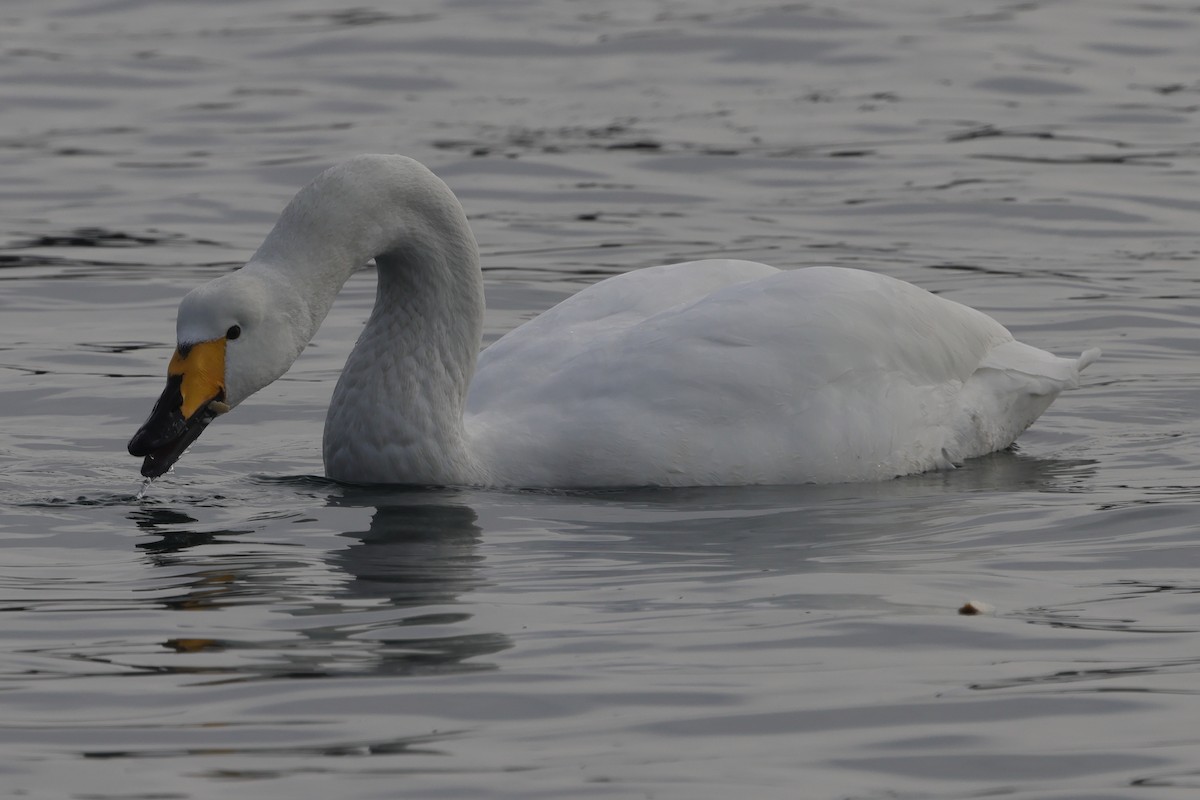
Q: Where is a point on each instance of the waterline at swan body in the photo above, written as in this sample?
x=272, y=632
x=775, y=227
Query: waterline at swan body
x=706, y=373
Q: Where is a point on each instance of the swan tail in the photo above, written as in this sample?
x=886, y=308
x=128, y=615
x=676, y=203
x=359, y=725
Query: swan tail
x=1010, y=389
x=1035, y=371
x=1085, y=360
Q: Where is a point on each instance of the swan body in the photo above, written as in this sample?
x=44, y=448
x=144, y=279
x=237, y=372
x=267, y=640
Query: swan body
x=717, y=372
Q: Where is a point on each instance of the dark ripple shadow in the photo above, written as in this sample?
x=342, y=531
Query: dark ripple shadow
x=1089, y=675
x=175, y=530
x=1125, y=594
x=409, y=745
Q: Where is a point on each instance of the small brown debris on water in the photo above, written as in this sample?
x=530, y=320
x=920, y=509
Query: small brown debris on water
x=976, y=607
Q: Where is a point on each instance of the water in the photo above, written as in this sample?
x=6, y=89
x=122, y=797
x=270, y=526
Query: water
x=249, y=629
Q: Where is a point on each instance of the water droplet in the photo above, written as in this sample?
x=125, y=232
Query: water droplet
x=141, y=495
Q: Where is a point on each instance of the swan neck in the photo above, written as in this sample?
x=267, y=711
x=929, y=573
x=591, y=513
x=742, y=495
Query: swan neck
x=396, y=414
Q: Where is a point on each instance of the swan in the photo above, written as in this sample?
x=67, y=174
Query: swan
x=717, y=372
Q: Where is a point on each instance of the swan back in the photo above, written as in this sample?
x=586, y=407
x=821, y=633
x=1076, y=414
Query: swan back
x=813, y=375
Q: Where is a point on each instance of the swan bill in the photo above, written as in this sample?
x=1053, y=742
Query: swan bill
x=194, y=397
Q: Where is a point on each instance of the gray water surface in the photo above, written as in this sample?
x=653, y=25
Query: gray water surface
x=252, y=630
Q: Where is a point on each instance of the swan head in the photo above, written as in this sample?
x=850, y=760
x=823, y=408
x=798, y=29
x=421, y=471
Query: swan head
x=235, y=335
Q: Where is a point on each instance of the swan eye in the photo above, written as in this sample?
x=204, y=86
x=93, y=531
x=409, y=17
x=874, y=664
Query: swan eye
x=234, y=332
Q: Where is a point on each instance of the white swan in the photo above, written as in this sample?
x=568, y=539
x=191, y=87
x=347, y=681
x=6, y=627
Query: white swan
x=705, y=373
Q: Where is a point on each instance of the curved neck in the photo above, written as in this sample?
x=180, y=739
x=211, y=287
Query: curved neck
x=396, y=414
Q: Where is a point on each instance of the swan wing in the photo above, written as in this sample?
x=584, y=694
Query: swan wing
x=541, y=348
x=758, y=376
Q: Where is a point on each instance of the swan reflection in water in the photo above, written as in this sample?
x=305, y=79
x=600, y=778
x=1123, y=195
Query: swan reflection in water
x=386, y=604
x=397, y=599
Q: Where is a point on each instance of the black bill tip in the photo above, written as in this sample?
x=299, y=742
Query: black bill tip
x=160, y=459
x=166, y=434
